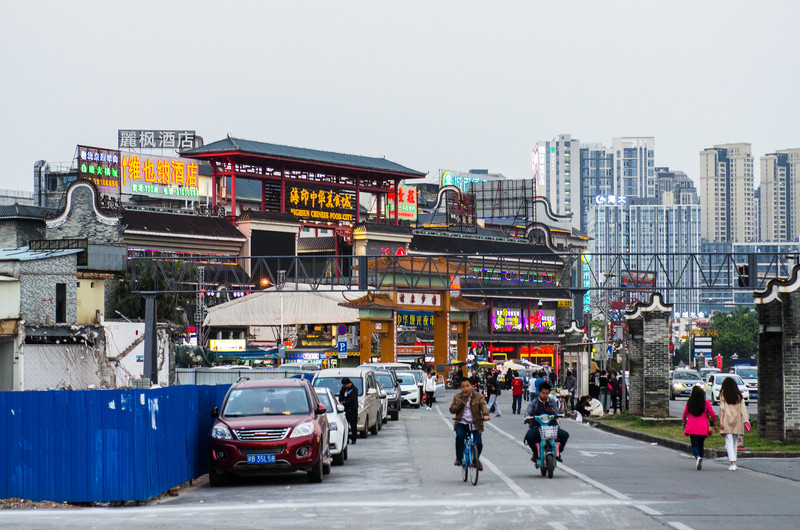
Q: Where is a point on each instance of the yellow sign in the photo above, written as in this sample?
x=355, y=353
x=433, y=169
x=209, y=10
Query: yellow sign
x=565, y=303
x=227, y=344
x=158, y=176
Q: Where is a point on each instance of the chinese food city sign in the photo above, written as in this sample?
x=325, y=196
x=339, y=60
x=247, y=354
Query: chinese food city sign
x=406, y=203
x=102, y=166
x=158, y=176
x=320, y=204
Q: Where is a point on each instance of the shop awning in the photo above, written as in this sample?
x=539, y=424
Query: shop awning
x=263, y=308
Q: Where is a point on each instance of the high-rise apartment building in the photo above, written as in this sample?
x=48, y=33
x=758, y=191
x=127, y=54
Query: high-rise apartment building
x=556, y=168
x=573, y=175
x=780, y=196
x=637, y=230
x=597, y=178
x=727, y=196
x=634, y=166
x=675, y=187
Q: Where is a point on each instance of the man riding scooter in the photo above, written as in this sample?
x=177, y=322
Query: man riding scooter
x=543, y=404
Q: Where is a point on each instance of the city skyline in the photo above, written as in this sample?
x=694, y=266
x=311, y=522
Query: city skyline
x=450, y=85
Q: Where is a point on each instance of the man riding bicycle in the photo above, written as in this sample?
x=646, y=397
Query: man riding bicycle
x=544, y=403
x=469, y=407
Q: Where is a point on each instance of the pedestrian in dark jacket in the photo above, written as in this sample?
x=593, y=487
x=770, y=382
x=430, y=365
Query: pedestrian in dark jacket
x=348, y=397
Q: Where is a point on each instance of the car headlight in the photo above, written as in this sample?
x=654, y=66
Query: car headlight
x=391, y=396
x=677, y=385
x=304, y=429
x=334, y=426
x=221, y=432
x=361, y=404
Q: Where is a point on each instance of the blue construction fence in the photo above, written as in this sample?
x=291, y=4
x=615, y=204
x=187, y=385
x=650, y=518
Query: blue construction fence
x=104, y=445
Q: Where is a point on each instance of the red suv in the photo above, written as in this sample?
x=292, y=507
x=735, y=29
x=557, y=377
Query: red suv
x=269, y=427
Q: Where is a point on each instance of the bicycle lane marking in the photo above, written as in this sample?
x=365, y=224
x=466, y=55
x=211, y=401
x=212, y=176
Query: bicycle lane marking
x=580, y=476
x=521, y=493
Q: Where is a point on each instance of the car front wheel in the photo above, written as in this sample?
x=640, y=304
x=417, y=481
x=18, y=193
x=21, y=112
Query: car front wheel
x=315, y=473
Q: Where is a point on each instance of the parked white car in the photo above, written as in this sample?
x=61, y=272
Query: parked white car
x=714, y=384
x=409, y=388
x=337, y=423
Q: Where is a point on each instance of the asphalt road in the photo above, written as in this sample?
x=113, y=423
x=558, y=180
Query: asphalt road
x=404, y=477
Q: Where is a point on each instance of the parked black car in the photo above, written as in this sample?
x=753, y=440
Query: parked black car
x=388, y=381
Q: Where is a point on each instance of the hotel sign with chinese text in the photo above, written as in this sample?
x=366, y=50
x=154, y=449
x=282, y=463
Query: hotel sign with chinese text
x=155, y=139
x=317, y=203
x=158, y=176
x=101, y=166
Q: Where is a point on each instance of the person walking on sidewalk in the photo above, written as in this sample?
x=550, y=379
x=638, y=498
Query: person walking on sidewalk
x=733, y=417
x=493, y=391
x=429, y=385
x=516, y=393
x=695, y=423
x=571, y=384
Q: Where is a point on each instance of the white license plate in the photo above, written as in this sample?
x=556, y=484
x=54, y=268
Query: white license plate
x=260, y=459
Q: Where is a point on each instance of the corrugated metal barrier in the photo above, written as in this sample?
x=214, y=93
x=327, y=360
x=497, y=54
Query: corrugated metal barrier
x=104, y=445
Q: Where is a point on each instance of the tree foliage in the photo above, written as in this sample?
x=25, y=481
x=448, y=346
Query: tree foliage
x=737, y=333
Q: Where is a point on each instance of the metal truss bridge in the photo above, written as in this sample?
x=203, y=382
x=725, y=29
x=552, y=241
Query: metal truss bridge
x=528, y=274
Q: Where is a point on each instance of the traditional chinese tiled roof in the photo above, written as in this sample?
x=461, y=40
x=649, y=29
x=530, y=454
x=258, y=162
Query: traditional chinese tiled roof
x=23, y=211
x=371, y=301
x=240, y=145
x=180, y=225
x=460, y=303
x=419, y=265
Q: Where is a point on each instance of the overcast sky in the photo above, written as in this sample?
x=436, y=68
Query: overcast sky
x=428, y=84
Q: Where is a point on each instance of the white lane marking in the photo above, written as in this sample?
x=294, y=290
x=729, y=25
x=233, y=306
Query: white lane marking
x=592, y=454
x=540, y=505
x=521, y=493
x=679, y=525
x=580, y=476
x=559, y=526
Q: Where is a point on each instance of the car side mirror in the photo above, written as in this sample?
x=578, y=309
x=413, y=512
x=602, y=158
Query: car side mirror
x=321, y=409
x=372, y=391
x=215, y=412
x=340, y=407
x=382, y=394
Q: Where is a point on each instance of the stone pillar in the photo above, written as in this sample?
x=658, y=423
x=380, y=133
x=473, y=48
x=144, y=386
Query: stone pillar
x=635, y=366
x=779, y=359
x=649, y=357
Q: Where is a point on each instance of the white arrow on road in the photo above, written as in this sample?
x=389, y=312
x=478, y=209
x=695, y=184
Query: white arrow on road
x=592, y=454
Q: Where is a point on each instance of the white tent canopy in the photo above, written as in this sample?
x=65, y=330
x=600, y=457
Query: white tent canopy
x=301, y=306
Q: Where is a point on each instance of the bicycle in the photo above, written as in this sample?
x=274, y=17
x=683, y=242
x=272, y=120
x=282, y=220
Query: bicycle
x=562, y=409
x=469, y=461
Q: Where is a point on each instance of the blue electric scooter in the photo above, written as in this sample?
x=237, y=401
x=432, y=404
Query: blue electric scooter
x=549, y=447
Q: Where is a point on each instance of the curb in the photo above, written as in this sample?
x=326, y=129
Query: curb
x=687, y=448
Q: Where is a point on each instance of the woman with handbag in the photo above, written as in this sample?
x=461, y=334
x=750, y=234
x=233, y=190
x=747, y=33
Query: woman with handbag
x=733, y=417
x=695, y=423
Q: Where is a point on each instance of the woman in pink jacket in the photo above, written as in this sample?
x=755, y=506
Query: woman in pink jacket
x=695, y=422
